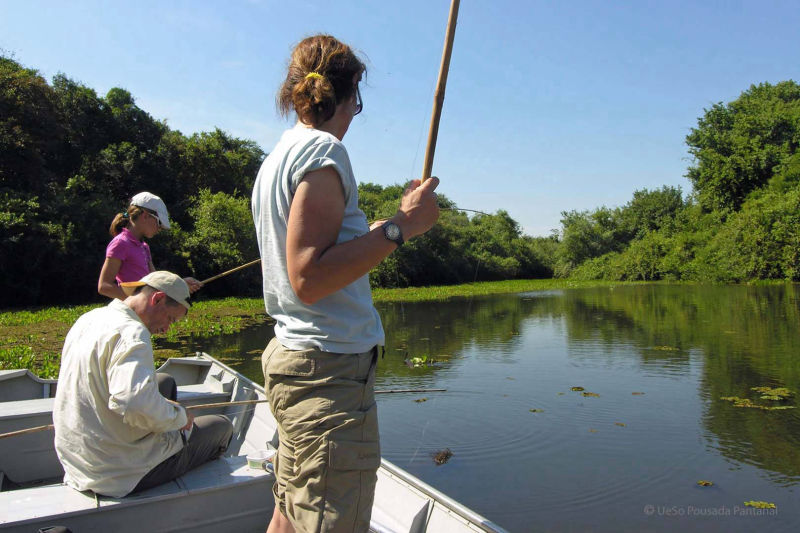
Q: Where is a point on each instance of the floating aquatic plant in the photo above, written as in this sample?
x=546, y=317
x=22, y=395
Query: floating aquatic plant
x=620, y=424
x=638, y=393
x=536, y=410
x=416, y=362
x=590, y=394
x=760, y=505
x=704, y=483
x=739, y=402
x=420, y=400
x=577, y=389
x=777, y=393
x=666, y=348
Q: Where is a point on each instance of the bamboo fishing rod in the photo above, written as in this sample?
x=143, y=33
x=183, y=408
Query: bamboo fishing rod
x=231, y=271
x=209, y=406
x=440, y=89
x=187, y=407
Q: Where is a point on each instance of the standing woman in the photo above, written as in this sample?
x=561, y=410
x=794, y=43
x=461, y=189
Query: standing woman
x=127, y=255
x=317, y=250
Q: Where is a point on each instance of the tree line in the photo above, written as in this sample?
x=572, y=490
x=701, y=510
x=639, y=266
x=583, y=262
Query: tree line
x=70, y=159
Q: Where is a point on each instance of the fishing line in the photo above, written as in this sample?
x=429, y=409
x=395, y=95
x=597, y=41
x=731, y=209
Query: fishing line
x=421, y=132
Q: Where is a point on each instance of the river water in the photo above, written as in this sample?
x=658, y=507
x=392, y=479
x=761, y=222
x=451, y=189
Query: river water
x=532, y=454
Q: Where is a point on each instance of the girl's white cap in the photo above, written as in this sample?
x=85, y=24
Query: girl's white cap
x=153, y=203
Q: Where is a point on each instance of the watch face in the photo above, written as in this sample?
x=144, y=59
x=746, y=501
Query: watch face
x=392, y=231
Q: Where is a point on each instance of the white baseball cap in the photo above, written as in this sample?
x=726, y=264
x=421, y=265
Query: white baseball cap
x=170, y=284
x=152, y=202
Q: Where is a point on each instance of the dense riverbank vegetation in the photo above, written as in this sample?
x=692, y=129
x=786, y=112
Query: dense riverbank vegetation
x=741, y=221
x=70, y=159
x=33, y=338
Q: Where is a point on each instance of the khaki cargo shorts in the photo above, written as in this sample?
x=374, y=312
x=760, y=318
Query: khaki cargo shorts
x=329, y=453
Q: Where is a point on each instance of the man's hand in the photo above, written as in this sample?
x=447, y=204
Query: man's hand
x=189, y=421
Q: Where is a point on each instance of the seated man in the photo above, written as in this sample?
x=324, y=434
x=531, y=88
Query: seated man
x=115, y=432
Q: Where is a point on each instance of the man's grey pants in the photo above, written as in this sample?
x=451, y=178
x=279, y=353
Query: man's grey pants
x=210, y=437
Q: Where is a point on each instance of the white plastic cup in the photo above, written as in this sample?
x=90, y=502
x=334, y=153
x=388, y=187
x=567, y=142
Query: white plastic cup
x=261, y=460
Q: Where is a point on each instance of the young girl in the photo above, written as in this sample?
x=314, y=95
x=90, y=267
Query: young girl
x=127, y=255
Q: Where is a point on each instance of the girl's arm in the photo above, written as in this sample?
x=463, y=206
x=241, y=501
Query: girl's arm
x=107, y=284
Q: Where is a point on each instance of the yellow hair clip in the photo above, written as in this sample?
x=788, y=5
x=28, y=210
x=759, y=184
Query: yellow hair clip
x=316, y=75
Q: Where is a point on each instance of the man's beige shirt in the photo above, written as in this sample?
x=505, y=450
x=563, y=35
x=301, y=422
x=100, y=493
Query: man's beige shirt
x=112, y=425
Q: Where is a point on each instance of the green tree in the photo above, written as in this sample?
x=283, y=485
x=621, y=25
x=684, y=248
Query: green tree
x=223, y=237
x=586, y=235
x=651, y=210
x=736, y=146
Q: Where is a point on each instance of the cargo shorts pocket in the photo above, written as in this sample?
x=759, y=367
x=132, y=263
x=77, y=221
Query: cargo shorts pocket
x=286, y=373
x=350, y=455
x=350, y=484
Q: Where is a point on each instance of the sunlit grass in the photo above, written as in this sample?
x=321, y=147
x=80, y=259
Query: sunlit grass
x=446, y=292
x=33, y=339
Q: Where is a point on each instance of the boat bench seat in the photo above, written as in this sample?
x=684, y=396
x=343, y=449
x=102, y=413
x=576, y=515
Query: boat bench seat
x=26, y=408
x=202, y=393
x=37, y=505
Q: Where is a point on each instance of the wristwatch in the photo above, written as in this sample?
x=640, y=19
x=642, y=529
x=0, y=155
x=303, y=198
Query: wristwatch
x=392, y=232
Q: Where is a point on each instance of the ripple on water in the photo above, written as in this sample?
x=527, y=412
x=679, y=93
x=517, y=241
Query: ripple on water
x=506, y=428
x=590, y=440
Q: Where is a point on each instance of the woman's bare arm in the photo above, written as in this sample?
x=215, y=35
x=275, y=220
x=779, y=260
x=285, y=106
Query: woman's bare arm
x=318, y=266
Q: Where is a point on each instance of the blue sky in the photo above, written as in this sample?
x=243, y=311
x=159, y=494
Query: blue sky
x=550, y=106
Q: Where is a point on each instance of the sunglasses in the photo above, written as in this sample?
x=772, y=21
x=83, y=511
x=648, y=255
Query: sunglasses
x=154, y=215
x=359, y=102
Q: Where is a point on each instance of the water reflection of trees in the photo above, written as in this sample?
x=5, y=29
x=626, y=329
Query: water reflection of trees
x=441, y=330
x=746, y=335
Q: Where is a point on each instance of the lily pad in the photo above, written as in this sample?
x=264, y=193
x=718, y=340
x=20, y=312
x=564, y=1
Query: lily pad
x=420, y=400
x=590, y=394
x=536, y=410
x=704, y=483
x=577, y=389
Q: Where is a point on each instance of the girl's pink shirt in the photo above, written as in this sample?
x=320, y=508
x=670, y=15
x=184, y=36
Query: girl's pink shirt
x=134, y=254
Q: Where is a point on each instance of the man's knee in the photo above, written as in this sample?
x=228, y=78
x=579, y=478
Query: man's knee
x=167, y=386
x=217, y=429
